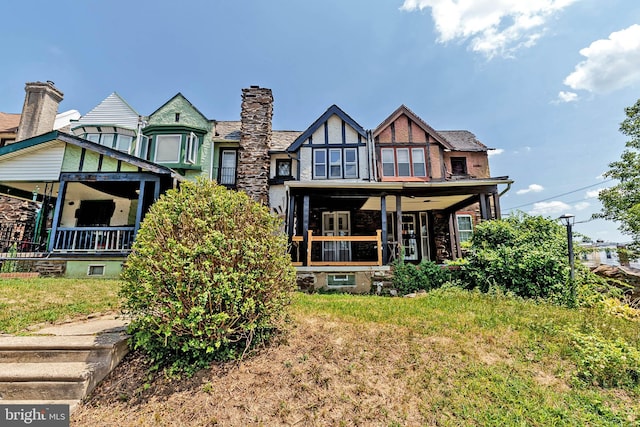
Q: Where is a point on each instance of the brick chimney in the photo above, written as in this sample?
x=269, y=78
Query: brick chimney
x=39, y=109
x=255, y=142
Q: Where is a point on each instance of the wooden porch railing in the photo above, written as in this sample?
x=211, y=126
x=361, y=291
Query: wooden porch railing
x=377, y=239
x=93, y=239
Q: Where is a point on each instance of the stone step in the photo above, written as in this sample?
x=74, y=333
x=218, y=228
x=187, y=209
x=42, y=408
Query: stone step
x=51, y=381
x=52, y=349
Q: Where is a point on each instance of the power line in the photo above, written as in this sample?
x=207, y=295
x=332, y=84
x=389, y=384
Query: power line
x=559, y=195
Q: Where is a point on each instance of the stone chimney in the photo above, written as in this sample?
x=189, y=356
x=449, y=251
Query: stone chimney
x=39, y=109
x=255, y=142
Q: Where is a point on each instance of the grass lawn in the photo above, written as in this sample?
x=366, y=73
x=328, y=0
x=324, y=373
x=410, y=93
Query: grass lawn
x=26, y=302
x=448, y=358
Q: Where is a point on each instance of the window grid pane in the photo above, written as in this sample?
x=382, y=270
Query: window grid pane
x=350, y=163
x=419, y=168
x=335, y=165
x=388, y=165
x=319, y=164
x=404, y=169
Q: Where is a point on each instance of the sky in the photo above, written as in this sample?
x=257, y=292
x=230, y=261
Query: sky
x=543, y=82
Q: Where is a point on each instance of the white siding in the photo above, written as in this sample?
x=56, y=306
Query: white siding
x=112, y=111
x=41, y=163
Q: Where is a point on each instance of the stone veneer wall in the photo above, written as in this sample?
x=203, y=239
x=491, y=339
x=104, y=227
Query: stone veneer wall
x=441, y=236
x=255, y=142
x=20, y=215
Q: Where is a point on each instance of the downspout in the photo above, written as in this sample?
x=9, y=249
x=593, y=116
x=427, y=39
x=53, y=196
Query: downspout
x=505, y=190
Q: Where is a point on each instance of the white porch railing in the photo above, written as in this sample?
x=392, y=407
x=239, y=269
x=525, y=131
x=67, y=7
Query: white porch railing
x=93, y=239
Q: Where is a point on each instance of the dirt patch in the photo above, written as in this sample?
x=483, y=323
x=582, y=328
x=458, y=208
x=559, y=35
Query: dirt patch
x=320, y=373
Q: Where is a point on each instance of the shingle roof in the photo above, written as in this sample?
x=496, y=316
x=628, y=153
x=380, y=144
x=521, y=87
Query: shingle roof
x=9, y=122
x=230, y=131
x=282, y=139
x=463, y=140
x=227, y=130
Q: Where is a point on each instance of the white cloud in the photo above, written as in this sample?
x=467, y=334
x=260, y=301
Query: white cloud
x=549, y=208
x=495, y=152
x=611, y=64
x=567, y=96
x=580, y=206
x=494, y=27
x=592, y=194
x=533, y=188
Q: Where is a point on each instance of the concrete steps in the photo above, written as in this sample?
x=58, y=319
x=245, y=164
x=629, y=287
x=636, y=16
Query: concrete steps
x=63, y=368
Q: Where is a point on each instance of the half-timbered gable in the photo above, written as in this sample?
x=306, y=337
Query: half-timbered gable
x=334, y=147
x=408, y=149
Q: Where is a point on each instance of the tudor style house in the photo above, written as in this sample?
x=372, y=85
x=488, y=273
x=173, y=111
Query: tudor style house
x=352, y=200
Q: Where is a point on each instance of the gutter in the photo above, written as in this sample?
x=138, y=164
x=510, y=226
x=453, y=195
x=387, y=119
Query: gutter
x=506, y=189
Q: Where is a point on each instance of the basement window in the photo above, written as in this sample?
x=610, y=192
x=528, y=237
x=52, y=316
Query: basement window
x=341, y=280
x=95, y=270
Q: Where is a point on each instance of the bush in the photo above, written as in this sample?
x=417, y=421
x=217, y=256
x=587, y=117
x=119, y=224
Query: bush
x=408, y=278
x=522, y=254
x=607, y=363
x=208, y=279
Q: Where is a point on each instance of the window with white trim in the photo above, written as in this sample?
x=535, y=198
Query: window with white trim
x=404, y=166
x=111, y=140
x=350, y=163
x=388, y=162
x=319, y=163
x=417, y=158
x=335, y=163
x=191, y=151
x=168, y=148
x=465, y=227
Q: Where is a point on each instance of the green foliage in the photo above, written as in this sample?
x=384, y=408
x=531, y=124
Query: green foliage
x=621, y=202
x=408, y=278
x=607, y=363
x=208, y=279
x=522, y=254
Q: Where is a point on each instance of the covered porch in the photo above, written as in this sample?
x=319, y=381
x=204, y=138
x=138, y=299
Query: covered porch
x=360, y=224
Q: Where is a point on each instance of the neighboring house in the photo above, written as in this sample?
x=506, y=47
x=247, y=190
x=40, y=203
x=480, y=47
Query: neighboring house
x=8, y=128
x=352, y=200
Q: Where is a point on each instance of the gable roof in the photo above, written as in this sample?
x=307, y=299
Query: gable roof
x=403, y=109
x=463, y=140
x=333, y=110
x=113, y=110
x=180, y=95
x=83, y=143
x=9, y=122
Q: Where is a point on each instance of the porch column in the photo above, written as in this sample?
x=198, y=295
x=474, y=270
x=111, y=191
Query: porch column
x=385, y=234
x=454, y=241
x=305, y=226
x=496, y=205
x=484, y=208
x=62, y=191
x=140, y=206
x=291, y=216
x=399, y=227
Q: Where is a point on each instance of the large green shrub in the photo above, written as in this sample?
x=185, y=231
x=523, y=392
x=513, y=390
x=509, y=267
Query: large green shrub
x=209, y=277
x=427, y=275
x=522, y=254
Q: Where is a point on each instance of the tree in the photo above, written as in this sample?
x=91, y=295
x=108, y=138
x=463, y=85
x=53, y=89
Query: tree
x=621, y=202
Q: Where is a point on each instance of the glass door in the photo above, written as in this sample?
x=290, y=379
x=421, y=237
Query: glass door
x=336, y=224
x=228, y=168
x=409, y=241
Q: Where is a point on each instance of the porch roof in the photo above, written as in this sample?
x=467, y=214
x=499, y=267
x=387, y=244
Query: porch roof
x=397, y=186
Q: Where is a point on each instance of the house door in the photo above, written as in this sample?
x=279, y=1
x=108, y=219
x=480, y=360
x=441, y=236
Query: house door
x=409, y=237
x=336, y=224
x=228, y=168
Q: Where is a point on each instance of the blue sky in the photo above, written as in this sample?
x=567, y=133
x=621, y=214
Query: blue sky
x=545, y=82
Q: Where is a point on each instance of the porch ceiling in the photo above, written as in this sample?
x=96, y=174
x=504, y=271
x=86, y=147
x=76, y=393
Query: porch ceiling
x=75, y=190
x=415, y=204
